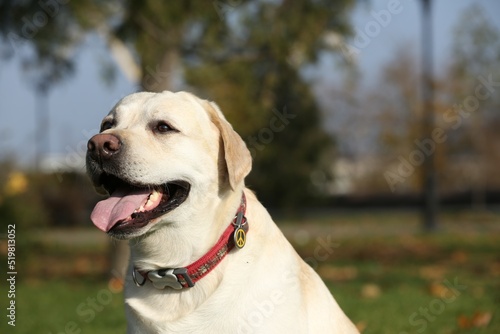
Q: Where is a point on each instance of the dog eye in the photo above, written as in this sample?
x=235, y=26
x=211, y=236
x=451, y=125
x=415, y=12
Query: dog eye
x=106, y=125
x=163, y=127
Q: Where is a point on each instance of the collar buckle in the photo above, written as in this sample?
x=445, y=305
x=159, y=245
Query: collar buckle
x=176, y=278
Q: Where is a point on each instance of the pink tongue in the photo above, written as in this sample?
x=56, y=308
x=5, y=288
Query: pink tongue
x=120, y=205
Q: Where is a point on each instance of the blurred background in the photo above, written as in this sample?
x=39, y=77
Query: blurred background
x=374, y=128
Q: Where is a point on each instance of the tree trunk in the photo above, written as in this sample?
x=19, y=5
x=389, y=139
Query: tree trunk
x=164, y=76
x=430, y=196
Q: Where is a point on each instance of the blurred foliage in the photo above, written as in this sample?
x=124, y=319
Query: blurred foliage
x=263, y=79
x=18, y=203
x=245, y=55
x=472, y=84
x=387, y=116
x=476, y=46
x=37, y=200
x=250, y=56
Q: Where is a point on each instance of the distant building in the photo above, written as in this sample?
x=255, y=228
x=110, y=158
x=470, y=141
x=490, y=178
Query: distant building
x=348, y=172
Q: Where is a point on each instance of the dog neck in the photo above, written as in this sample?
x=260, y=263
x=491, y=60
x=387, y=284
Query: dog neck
x=184, y=241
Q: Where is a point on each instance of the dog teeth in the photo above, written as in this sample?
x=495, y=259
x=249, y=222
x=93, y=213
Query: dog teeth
x=155, y=195
x=151, y=199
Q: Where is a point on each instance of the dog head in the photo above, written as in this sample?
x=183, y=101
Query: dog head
x=154, y=152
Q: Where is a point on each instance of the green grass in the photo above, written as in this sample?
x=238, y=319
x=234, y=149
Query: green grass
x=404, y=297
x=67, y=307
x=414, y=278
x=384, y=276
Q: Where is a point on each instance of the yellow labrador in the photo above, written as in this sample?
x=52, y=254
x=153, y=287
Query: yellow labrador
x=206, y=257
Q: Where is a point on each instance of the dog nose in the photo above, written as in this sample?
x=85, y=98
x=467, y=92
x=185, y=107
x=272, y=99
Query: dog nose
x=104, y=145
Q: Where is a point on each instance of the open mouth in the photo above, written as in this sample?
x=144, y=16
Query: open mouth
x=131, y=207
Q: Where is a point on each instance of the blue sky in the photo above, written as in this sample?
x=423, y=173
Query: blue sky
x=78, y=104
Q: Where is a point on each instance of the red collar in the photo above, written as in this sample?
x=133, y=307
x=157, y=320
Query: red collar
x=186, y=277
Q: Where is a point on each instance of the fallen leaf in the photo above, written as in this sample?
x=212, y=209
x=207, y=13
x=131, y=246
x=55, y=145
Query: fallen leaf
x=463, y=322
x=115, y=284
x=432, y=272
x=82, y=265
x=438, y=289
x=338, y=273
x=459, y=256
x=4, y=247
x=495, y=269
x=361, y=326
x=371, y=291
x=481, y=319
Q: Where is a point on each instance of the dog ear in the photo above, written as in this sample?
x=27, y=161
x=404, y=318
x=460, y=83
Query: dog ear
x=236, y=154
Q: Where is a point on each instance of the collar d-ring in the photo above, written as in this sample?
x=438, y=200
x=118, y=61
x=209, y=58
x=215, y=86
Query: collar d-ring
x=135, y=278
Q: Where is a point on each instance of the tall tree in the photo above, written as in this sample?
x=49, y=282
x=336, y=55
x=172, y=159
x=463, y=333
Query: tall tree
x=430, y=198
x=476, y=55
x=246, y=55
x=268, y=100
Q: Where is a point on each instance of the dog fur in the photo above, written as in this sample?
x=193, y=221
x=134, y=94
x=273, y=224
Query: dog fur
x=265, y=287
